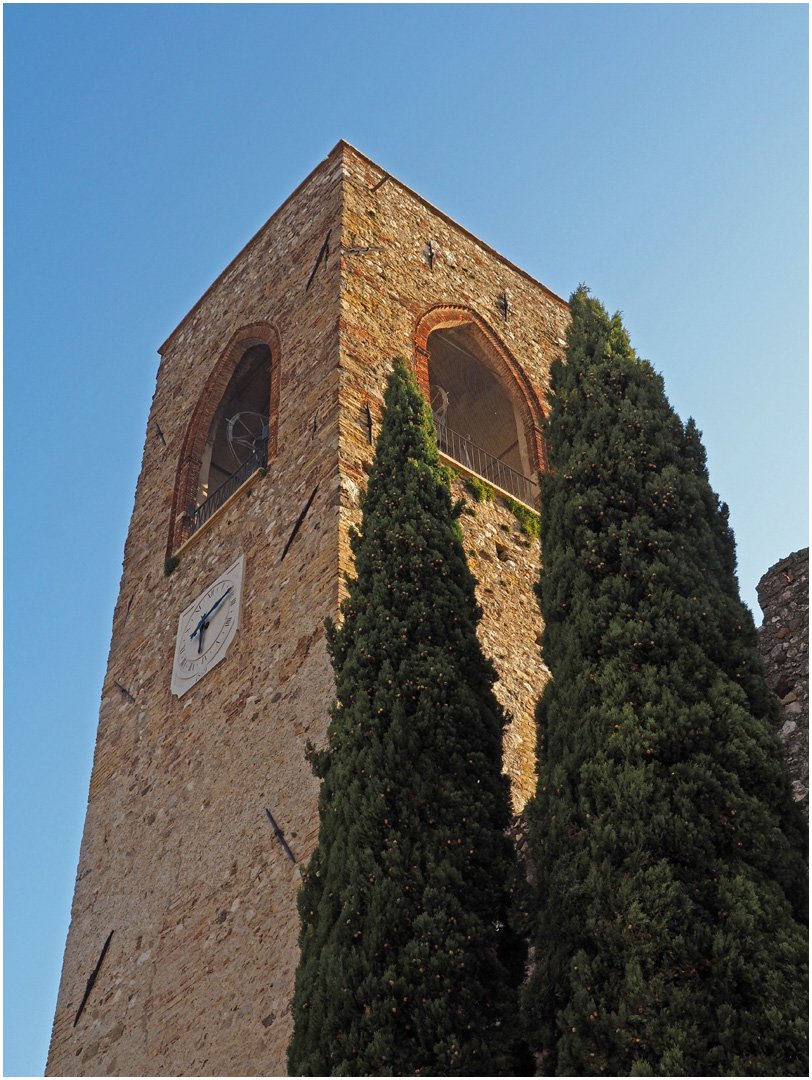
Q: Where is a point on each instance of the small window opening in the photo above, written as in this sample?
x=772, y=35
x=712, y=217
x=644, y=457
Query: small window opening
x=478, y=424
x=238, y=436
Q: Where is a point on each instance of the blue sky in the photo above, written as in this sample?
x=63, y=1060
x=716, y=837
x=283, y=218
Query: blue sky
x=656, y=152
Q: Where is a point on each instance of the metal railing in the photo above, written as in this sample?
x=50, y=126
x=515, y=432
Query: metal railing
x=199, y=514
x=479, y=461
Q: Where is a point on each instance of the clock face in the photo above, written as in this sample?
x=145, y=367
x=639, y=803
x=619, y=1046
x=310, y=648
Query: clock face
x=206, y=629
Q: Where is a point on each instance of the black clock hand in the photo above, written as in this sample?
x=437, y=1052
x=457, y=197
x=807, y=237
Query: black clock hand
x=204, y=621
x=212, y=609
x=201, y=626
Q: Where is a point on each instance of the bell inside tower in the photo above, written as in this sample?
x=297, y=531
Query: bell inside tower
x=239, y=428
x=478, y=425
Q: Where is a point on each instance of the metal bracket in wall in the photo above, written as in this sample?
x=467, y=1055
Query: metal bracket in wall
x=160, y=433
x=299, y=521
x=127, y=612
x=381, y=182
x=126, y=693
x=502, y=304
x=323, y=253
x=428, y=254
x=277, y=833
x=361, y=250
x=92, y=979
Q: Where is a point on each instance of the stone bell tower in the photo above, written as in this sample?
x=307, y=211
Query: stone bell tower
x=182, y=948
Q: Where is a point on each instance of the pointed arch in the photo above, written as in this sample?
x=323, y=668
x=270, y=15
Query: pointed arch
x=199, y=429
x=490, y=350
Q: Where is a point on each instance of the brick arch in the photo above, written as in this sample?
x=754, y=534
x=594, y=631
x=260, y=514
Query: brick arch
x=197, y=430
x=497, y=356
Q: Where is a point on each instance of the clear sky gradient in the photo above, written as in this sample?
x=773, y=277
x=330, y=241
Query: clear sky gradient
x=657, y=153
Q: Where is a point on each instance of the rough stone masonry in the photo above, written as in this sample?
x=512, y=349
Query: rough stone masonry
x=783, y=594
x=178, y=857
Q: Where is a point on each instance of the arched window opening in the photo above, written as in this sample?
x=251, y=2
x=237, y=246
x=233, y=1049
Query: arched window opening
x=237, y=442
x=478, y=423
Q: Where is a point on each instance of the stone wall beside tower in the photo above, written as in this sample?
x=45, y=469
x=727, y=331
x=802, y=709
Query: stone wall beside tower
x=178, y=858
x=783, y=594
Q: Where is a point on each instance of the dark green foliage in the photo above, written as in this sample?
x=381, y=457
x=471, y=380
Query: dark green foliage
x=669, y=851
x=479, y=489
x=528, y=520
x=170, y=565
x=403, y=904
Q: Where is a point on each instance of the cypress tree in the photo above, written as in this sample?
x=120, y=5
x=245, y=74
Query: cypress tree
x=671, y=886
x=403, y=903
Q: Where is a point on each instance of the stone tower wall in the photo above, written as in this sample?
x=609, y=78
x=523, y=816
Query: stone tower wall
x=783, y=594
x=387, y=288
x=178, y=858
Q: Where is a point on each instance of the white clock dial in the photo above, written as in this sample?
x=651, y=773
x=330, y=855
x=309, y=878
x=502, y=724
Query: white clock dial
x=206, y=629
